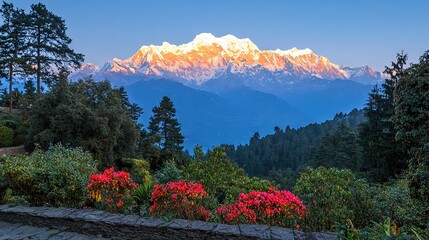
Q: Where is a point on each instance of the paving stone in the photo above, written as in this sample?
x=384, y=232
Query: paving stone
x=5, y=206
x=255, y=231
x=12, y=231
x=114, y=219
x=278, y=233
x=21, y=222
x=202, y=226
x=151, y=222
x=56, y=212
x=225, y=229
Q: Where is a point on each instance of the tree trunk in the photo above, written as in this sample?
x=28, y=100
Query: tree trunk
x=38, y=62
x=10, y=86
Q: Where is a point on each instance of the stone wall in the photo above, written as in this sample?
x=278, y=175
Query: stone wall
x=119, y=226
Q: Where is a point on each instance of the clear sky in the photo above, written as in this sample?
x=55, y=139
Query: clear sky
x=352, y=33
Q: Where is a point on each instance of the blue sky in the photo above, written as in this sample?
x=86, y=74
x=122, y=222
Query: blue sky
x=353, y=33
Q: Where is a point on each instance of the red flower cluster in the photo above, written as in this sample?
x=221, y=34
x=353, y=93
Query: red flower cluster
x=181, y=199
x=281, y=208
x=109, y=188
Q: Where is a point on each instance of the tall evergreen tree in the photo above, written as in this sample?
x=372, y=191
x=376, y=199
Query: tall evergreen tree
x=29, y=95
x=384, y=157
x=412, y=123
x=49, y=45
x=13, y=45
x=339, y=150
x=164, y=131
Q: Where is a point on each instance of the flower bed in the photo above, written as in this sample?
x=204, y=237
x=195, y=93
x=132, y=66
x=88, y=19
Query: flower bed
x=281, y=208
x=109, y=188
x=179, y=200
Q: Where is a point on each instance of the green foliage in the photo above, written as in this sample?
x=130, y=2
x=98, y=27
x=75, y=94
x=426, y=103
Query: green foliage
x=57, y=177
x=220, y=177
x=285, y=177
x=6, y=136
x=412, y=123
x=394, y=201
x=340, y=150
x=8, y=197
x=327, y=193
x=384, y=156
x=290, y=148
x=165, y=135
x=168, y=173
x=387, y=229
x=139, y=169
x=18, y=124
x=140, y=198
x=86, y=114
x=49, y=45
x=13, y=42
x=142, y=169
x=141, y=194
x=362, y=203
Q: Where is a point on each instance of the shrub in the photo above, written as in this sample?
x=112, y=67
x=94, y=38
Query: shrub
x=57, y=177
x=222, y=178
x=168, y=173
x=179, y=200
x=281, y=208
x=142, y=193
x=327, y=194
x=110, y=188
x=139, y=169
x=6, y=136
x=393, y=200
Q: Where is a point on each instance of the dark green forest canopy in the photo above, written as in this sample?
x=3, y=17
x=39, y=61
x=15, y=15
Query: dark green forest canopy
x=289, y=148
x=87, y=114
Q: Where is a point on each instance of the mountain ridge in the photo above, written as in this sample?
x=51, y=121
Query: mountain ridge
x=208, y=57
x=225, y=89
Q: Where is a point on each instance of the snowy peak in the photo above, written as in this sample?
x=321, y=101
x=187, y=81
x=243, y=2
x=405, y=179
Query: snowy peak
x=365, y=74
x=89, y=67
x=208, y=57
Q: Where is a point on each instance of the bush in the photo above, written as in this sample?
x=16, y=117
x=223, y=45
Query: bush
x=139, y=200
x=222, y=178
x=393, y=200
x=179, y=200
x=168, y=173
x=57, y=177
x=6, y=136
x=327, y=195
x=280, y=208
x=139, y=169
x=110, y=188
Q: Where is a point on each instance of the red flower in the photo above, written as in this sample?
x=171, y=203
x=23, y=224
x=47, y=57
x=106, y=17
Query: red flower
x=180, y=199
x=273, y=207
x=110, y=187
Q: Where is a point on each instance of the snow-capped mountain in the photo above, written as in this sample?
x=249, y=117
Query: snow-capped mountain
x=225, y=88
x=208, y=57
x=364, y=74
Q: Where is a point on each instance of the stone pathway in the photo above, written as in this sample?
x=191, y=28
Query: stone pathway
x=15, y=231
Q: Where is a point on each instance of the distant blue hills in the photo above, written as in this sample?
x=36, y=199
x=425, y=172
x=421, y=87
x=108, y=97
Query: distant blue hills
x=233, y=115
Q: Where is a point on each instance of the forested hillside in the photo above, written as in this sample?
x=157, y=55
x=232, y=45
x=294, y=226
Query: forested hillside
x=289, y=148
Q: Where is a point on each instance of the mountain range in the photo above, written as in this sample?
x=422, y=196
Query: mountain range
x=227, y=88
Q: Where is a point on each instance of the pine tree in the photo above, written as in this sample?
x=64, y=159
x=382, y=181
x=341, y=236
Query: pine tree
x=384, y=157
x=164, y=131
x=29, y=95
x=13, y=46
x=49, y=45
x=412, y=123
